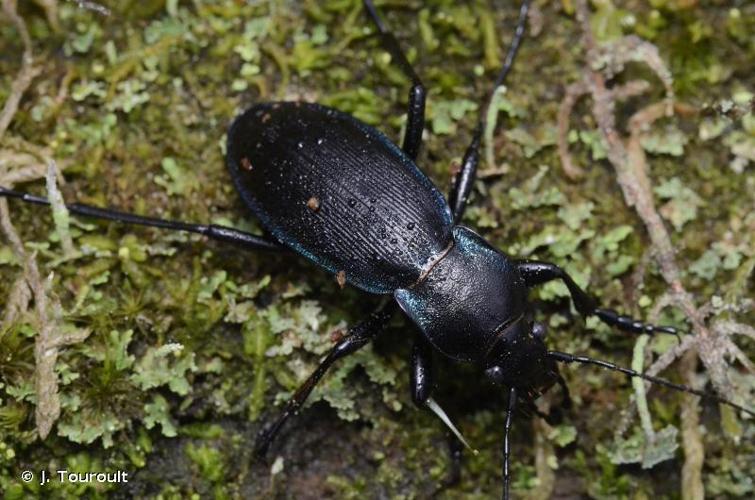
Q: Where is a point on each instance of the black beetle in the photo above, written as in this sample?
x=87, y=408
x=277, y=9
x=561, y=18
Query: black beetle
x=338, y=192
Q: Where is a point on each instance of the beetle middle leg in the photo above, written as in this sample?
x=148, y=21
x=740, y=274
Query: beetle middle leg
x=358, y=336
x=415, y=120
x=537, y=273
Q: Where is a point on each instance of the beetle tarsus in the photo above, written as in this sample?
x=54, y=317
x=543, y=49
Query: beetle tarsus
x=453, y=478
x=265, y=437
x=629, y=324
x=537, y=272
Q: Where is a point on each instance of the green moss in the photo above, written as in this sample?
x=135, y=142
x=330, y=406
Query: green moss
x=194, y=344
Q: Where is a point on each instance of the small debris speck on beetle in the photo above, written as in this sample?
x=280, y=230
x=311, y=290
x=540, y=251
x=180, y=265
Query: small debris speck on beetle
x=265, y=117
x=454, y=168
x=341, y=278
x=337, y=335
x=246, y=164
x=313, y=204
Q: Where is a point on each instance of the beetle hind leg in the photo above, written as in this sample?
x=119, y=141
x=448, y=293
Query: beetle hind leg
x=415, y=120
x=212, y=231
x=461, y=187
x=358, y=336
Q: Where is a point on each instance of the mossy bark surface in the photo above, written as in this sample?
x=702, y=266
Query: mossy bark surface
x=192, y=344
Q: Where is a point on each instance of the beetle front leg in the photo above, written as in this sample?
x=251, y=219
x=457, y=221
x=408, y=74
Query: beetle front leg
x=358, y=336
x=415, y=120
x=421, y=383
x=537, y=273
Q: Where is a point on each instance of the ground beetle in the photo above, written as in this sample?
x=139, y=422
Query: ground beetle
x=338, y=192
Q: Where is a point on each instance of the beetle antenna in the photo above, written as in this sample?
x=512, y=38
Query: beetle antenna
x=573, y=358
x=444, y=417
x=507, y=443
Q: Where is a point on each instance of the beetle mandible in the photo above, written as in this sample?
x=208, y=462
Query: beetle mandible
x=338, y=192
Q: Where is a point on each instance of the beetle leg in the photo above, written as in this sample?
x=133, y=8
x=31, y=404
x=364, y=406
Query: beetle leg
x=358, y=336
x=212, y=231
x=421, y=380
x=415, y=122
x=532, y=409
x=463, y=181
x=462, y=184
x=537, y=273
x=507, y=443
x=456, y=451
x=422, y=385
x=566, y=402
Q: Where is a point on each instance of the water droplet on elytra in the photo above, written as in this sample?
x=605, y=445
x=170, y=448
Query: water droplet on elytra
x=352, y=202
x=410, y=226
x=320, y=141
x=300, y=145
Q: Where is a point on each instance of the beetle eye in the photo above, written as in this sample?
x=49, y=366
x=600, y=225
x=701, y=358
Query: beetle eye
x=539, y=331
x=495, y=373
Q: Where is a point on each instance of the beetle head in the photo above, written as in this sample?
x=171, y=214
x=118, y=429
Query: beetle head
x=519, y=357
